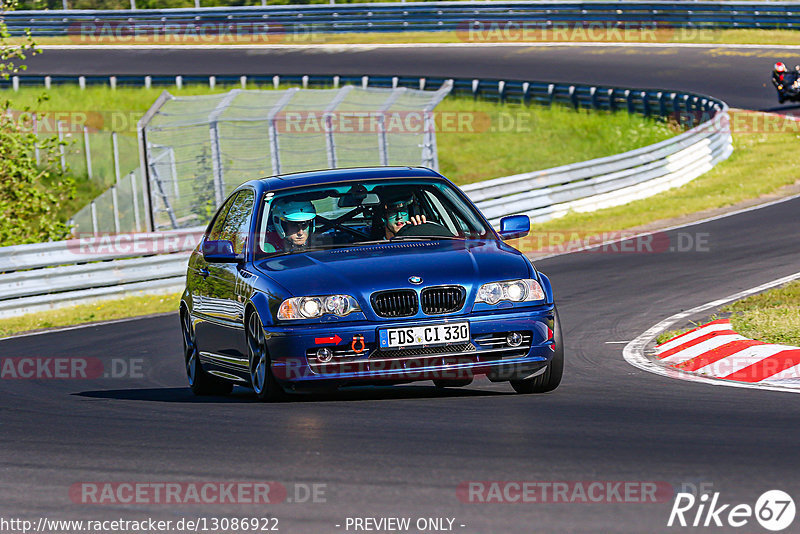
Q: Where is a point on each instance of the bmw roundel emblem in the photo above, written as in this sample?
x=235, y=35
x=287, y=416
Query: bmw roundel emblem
x=415, y=280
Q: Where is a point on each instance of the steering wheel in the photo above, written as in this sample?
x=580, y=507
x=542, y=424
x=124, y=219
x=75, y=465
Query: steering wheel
x=426, y=229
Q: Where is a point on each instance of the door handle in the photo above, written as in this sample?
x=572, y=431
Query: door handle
x=203, y=272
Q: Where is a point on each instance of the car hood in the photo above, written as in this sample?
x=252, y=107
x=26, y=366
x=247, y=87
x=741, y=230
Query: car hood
x=359, y=271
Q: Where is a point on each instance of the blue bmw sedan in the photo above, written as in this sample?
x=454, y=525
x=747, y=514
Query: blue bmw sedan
x=343, y=277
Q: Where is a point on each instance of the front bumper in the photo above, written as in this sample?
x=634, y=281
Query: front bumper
x=357, y=358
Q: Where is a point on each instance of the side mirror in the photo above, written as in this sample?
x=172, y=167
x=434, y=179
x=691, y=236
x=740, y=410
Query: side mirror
x=220, y=252
x=514, y=226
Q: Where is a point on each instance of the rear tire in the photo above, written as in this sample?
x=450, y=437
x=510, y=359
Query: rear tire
x=551, y=378
x=200, y=382
x=262, y=380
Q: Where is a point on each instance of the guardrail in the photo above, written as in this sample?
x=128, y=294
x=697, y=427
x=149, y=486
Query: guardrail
x=398, y=17
x=42, y=276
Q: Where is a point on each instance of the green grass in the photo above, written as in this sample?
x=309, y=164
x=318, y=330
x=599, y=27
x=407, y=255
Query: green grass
x=105, y=310
x=758, y=166
x=521, y=139
x=772, y=316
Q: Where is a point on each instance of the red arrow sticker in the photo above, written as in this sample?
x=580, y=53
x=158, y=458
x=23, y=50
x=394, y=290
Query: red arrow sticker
x=327, y=340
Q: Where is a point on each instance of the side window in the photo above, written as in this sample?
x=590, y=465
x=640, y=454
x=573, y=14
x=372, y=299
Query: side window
x=237, y=221
x=216, y=228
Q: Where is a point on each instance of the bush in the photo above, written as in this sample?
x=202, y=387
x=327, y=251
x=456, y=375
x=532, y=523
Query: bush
x=29, y=192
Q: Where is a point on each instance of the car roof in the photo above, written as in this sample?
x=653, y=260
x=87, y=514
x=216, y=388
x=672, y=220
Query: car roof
x=299, y=179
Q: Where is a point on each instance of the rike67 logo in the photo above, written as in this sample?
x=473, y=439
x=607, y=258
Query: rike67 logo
x=774, y=510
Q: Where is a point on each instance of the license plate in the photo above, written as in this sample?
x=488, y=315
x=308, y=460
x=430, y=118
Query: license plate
x=417, y=336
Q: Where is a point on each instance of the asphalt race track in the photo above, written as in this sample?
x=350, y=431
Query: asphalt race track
x=403, y=451
x=740, y=76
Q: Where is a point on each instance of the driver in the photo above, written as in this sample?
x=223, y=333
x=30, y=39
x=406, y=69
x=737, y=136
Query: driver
x=294, y=223
x=397, y=213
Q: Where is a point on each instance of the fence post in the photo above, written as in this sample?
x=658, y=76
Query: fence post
x=629, y=100
x=36, y=134
x=328, y=114
x=526, y=97
x=179, y=82
x=136, y=220
x=475, y=84
x=501, y=87
x=243, y=81
x=82, y=82
x=612, y=99
x=274, y=147
x=112, y=80
x=115, y=150
x=87, y=151
x=48, y=82
x=61, y=148
x=593, y=96
x=216, y=151
x=15, y=83
x=645, y=103
x=115, y=207
x=573, y=96
x=551, y=93
x=93, y=209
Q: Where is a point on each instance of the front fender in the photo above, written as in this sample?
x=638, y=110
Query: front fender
x=547, y=287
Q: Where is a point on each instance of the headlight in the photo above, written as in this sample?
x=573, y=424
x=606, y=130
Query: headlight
x=526, y=290
x=313, y=307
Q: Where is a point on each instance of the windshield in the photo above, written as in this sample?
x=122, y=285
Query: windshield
x=362, y=213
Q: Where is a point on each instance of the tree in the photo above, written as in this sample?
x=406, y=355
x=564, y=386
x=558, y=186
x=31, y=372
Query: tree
x=29, y=192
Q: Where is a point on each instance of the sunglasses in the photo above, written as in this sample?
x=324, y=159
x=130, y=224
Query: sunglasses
x=397, y=215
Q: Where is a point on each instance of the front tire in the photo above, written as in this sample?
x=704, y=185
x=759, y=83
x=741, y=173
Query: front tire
x=261, y=378
x=200, y=382
x=551, y=378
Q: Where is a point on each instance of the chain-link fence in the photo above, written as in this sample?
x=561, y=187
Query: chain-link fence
x=199, y=148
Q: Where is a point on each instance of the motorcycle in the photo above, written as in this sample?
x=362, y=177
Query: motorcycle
x=789, y=87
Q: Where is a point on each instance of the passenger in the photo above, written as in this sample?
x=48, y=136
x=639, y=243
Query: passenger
x=294, y=223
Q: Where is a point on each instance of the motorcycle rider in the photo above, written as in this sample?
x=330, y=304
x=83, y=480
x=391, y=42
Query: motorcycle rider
x=778, y=74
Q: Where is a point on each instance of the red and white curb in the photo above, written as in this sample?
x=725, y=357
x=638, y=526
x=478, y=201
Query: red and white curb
x=716, y=355
x=716, y=350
